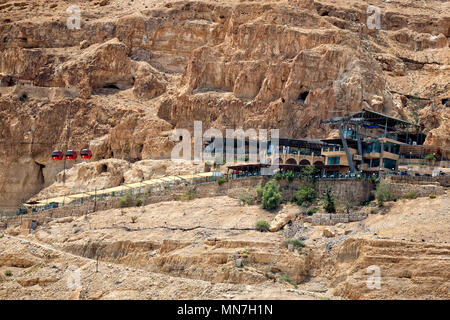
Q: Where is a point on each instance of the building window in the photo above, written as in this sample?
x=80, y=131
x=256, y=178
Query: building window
x=375, y=163
x=305, y=151
x=389, y=163
x=391, y=147
x=333, y=160
x=372, y=147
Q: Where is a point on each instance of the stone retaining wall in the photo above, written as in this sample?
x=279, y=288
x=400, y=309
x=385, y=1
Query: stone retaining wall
x=444, y=181
x=400, y=190
x=343, y=190
x=327, y=219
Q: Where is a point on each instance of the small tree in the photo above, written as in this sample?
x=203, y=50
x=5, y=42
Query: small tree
x=383, y=193
x=278, y=176
x=348, y=206
x=309, y=171
x=328, y=201
x=271, y=195
x=139, y=202
x=289, y=175
x=305, y=194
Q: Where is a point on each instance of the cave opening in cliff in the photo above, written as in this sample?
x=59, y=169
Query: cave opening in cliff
x=104, y=168
x=23, y=97
x=302, y=97
x=324, y=13
x=111, y=86
x=40, y=177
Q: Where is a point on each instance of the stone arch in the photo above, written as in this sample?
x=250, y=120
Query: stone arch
x=291, y=161
x=318, y=164
x=304, y=162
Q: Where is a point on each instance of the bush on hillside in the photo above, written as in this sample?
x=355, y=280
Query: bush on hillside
x=262, y=226
x=328, y=201
x=383, y=193
x=271, y=195
x=305, y=194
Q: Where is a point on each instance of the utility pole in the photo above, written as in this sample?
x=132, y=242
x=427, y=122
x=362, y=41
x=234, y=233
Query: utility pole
x=347, y=152
x=67, y=141
x=95, y=199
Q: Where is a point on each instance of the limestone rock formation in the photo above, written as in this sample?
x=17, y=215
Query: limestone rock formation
x=132, y=72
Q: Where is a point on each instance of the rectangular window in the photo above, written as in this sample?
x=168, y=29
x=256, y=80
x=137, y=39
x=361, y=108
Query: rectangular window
x=333, y=160
x=389, y=163
x=375, y=163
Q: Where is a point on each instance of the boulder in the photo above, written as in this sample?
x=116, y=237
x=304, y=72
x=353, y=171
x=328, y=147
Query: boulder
x=282, y=219
x=327, y=232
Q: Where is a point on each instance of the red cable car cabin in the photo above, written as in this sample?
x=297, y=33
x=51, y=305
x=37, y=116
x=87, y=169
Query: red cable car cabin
x=57, y=155
x=71, y=155
x=86, y=154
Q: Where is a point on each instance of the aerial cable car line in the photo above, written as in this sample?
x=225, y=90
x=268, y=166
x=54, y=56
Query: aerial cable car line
x=71, y=154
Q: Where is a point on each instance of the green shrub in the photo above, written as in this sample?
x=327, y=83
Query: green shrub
x=311, y=211
x=430, y=157
x=374, y=179
x=262, y=226
x=297, y=243
x=432, y=196
x=8, y=273
x=284, y=278
x=271, y=196
x=309, y=171
x=125, y=201
x=278, y=176
x=348, y=206
x=221, y=181
x=373, y=211
x=245, y=198
x=305, y=194
x=411, y=195
x=328, y=201
x=383, y=193
x=139, y=202
x=289, y=175
x=189, y=195
x=259, y=192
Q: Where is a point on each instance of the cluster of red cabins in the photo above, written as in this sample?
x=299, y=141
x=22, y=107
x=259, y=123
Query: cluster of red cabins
x=71, y=154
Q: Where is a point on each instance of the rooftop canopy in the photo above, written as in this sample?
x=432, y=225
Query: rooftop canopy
x=352, y=143
x=381, y=119
x=314, y=144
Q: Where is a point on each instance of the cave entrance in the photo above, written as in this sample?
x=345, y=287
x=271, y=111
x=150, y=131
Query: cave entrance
x=40, y=177
x=302, y=96
x=111, y=86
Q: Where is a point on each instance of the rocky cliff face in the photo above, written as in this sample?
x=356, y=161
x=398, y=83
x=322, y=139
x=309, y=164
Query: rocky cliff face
x=134, y=71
